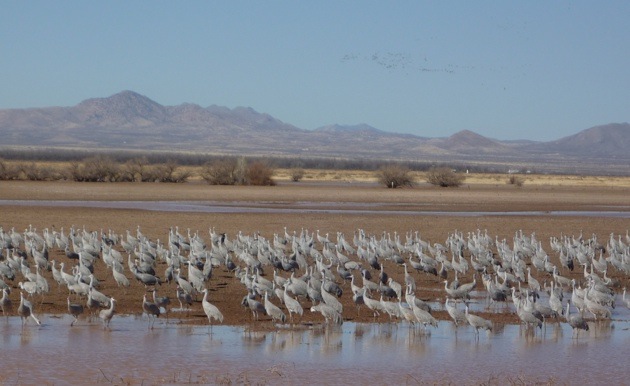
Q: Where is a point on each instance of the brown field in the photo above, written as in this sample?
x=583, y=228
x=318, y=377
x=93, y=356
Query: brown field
x=479, y=194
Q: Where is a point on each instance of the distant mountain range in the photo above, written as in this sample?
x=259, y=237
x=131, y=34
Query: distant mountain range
x=128, y=120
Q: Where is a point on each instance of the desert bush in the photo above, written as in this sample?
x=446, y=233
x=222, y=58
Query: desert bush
x=297, y=174
x=34, y=172
x=445, y=177
x=8, y=171
x=136, y=169
x=395, y=176
x=95, y=169
x=168, y=173
x=221, y=172
x=259, y=173
x=516, y=181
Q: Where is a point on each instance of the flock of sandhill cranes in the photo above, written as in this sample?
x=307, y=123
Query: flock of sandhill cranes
x=286, y=272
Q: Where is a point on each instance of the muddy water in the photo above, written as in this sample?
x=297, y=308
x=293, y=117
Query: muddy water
x=172, y=353
x=300, y=207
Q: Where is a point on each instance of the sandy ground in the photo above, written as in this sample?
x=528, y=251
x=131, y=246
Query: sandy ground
x=226, y=292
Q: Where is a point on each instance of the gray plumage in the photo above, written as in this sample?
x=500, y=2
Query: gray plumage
x=151, y=309
x=183, y=297
x=254, y=305
x=331, y=300
x=477, y=321
x=277, y=315
x=421, y=315
x=25, y=310
x=575, y=321
x=328, y=312
x=456, y=314
x=293, y=306
x=161, y=301
x=75, y=310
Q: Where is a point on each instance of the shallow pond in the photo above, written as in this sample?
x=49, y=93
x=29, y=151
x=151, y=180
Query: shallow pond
x=302, y=207
x=173, y=353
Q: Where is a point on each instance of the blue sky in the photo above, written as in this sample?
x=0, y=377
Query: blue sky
x=535, y=70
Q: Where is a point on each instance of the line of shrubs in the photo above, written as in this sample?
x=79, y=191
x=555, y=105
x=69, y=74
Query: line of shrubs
x=220, y=171
x=102, y=168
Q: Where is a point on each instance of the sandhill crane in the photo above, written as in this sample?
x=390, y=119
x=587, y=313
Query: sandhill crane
x=146, y=278
x=533, y=284
x=382, y=276
x=397, y=287
x=151, y=309
x=328, y=312
x=5, y=302
x=406, y=312
x=561, y=280
x=468, y=287
x=30, y=287
x=120, y=277
x=162, y=302
x=75, y=310
x=554, y=302
x=374, y=305
x=211, y=311
x=421, y=315
x=456, y=293
x=274, y=311
x=410, y=282
x=626, y=301
x=254, y=305
x=596, y=309
x=25, y=310
x=575, y=321
x=183, y=297
x=457, y=315
x=293, y=306
x=527, y=314
x=106, y=315
x=477, y=322
x=391, y=308
x=56, y=274
x=296, y=286
x=331, y=300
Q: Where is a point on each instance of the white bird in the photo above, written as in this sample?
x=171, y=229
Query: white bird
x=5, y=302
x=106, y=315
x=211, y=311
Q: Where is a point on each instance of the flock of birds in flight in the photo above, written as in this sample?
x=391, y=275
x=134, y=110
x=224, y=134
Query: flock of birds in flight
x=309, y=268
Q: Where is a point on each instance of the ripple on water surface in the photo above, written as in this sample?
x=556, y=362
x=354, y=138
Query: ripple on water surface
x=365, y=353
